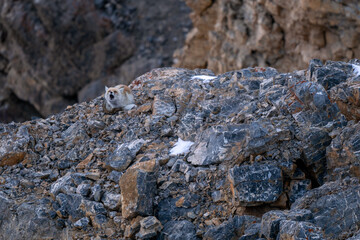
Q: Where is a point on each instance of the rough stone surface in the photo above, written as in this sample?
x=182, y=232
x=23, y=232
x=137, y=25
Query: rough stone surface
x=233, y=34
x=256, y=184
x=267, y=145
x=138, y=187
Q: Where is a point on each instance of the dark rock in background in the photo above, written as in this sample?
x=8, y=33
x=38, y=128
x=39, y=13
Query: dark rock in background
x=53, y=54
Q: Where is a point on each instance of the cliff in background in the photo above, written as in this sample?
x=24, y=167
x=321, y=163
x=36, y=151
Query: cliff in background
x=56, y=53
x=232, y=34
x=274, y=155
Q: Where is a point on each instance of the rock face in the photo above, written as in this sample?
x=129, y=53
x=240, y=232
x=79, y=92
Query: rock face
x=273, y=157
x=53, y=54
x=233, y=34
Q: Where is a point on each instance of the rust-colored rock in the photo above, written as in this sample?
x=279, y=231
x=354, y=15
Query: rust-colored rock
x=233, y=34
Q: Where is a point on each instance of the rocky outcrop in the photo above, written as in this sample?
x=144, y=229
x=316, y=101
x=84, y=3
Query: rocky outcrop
x=53, y=54
x=263, y=161
x=233, y=34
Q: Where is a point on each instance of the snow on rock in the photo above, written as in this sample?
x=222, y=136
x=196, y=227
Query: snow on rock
x=356, y=69
x=181, y=147
x=206, y=78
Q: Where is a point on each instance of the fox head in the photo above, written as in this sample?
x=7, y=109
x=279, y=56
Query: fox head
x=112, y=93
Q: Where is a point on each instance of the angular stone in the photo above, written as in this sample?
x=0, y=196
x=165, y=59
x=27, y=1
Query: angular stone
x=234, y=227
x=177, y=230
x=334, y=206
x=270, y=224
x=69, y=205
x=298, y=188
x=138, y=188
x=124, y=154
x=82, y=223
x=13, y=146
x=299, y=230
x=256, y=184
x=70, y=179
x=163, y=106
x=149, y=227
x=344, y=152
x=111, y=201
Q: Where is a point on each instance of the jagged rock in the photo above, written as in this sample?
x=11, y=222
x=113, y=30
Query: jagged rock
x=138, y=188
x=256, y=184
x=178, y=230
x=63, y=183
x=96, y=193
x=26, y=221
x=69, y=205
x=14, y=145
x=334, y=207
x=149, y=227
x=299, y=230
x=342, y=154
x=124, y=154
x=82, y=223
x=251, y=128
x=271, y=223
x=111, y=201
x=234, y=227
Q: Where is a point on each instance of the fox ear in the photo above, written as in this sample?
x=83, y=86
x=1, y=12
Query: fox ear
x=106, y=88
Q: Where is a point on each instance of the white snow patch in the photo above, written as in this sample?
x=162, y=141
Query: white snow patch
x=205, y=78
x=356, y=69
x=181, y=147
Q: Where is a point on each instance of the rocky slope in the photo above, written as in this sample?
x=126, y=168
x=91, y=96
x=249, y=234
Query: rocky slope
x=56, y=53
x=233, y=34
x=274, y=156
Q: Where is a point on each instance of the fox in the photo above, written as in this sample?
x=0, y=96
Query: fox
x=119, y=97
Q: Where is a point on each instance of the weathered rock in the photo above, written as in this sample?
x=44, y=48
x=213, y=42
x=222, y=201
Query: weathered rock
x=343, y=153
x=82, y=223
x=178, y=230
x=232, y=228
x=334, y=207
x=256, y=184
x=111, y=201
x=14, y=146
x=299, y=230
x=149, y=227
x=262, y=142
x=124, y=154
x=138, y=188
x=231, y=34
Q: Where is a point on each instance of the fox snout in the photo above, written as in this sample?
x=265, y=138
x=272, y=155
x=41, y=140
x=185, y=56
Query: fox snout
x=111, y=95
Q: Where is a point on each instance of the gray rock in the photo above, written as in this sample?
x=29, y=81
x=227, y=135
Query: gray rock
x=334, y=207
x=234, y=227
x=149, y=227
x=270, y=224
x=256, y=184
x=62, y=184
x=82, y=223
x=178, y=230
x=96, y=193
x=69, y=205
x=111, y=201
x=163, y=106
x=299, y=230
x=124, y=154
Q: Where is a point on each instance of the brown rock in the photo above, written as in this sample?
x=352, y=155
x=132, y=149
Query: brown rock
x=138, y=188
x=229, y=35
